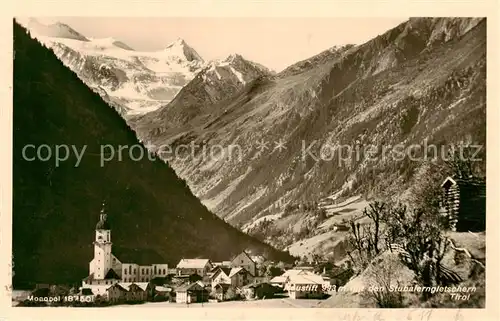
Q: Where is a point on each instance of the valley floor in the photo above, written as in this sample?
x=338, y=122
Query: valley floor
x=267, y=303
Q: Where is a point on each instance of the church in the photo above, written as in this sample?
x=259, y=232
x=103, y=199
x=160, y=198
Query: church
x=106, y=269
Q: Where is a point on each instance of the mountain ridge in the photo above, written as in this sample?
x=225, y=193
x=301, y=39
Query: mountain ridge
x=420, y=80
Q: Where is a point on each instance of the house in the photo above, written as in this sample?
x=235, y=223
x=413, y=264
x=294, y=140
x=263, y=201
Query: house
x=259, y=290
x=194, y=266
x=190, y=293
x=106, y=269
x=136, y=293
x=239, y=277
x=189, y=278
x=281, y=280
x=161, y=293
x=220, y=290
x=220, y=275
x=245, y=261
x=116, y=293
x=162, y=290
x=305, y=285
x=142, y=291
x=464, y=203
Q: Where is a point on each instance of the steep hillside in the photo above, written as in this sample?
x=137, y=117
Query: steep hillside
x=316, y=133
x=56, y=206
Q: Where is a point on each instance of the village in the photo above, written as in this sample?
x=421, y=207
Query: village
x=244, y=277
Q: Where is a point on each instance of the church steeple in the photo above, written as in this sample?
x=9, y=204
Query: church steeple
x=103, y=220
x=101, y=263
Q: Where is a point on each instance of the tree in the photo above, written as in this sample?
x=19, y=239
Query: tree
x=462, y=160
x=366, y=239
x=273, y=271
x=419, y=239
x=231, y=293
x=376, y=213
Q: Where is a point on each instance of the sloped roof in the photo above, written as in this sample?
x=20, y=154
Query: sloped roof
x=217, y=269
x=295, y=272
x=135, y=286
x=111, y=275
x=237, y=270
x=278, y=279
x=188, y=287
x=119, y=286
x=192, y=263
x=305, y=279
x=126, y=285
x=477, y=181
x=256, y=285
x=245, y=253
x=162, y=288
x=224, y=286
x=291, y=273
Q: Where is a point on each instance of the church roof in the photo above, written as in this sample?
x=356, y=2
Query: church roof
x=111, y=275
x=103, y=223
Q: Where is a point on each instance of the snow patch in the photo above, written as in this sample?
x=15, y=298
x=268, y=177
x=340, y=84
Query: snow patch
x=238, y=75
x=271, y=217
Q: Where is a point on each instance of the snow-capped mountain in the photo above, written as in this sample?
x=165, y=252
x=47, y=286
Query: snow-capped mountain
x=218, y=80
x=137, y=82
x=56, y=30
x=132, y=81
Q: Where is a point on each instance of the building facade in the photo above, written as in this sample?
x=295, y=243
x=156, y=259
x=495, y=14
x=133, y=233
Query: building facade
x=202, y=267
x=245, y=261
x=464, y=204
x=105, y=269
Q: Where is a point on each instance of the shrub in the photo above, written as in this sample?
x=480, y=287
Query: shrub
x=381, y=278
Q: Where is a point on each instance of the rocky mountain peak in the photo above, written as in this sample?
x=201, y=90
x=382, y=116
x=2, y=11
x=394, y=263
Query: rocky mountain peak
x=233, y=57
x=56, y=30
x=180, y=49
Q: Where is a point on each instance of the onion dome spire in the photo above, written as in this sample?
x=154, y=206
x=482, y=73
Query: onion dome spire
x=103, y=220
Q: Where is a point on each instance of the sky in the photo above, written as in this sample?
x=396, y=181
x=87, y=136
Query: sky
x=274, y=42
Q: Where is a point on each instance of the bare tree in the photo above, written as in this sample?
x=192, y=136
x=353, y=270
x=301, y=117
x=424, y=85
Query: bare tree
x=366, y=239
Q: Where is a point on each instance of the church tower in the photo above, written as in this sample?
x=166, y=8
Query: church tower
x=102, y=247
